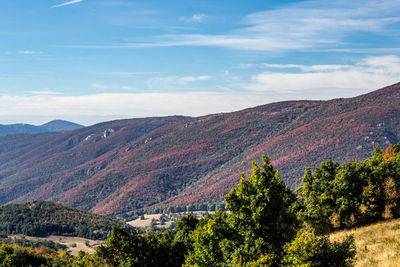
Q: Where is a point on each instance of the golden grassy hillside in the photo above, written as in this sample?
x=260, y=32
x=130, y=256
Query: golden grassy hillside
x=377, y=244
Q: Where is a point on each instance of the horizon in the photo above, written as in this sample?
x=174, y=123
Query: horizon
x=92, y=61
x=171, y=115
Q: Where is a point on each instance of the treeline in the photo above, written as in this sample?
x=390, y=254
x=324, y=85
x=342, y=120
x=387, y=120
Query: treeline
x=205, y=207
x=267, y=223
x=23, y=242
x=338, y=196
x=15, y=256
x=43, y=218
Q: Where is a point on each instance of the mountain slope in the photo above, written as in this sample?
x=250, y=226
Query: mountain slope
x=60, y=125
x=119, y=166
x=52, y=126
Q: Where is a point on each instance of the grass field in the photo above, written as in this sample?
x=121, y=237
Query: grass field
x=74, y=244
x=377, y=244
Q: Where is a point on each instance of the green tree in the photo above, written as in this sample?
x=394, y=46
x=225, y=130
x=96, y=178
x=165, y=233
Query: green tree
x=184, y=227
x=347, y=188
x=123, y=248
x=12, y=255
x=397, y=148
x=261, y=220
x=132, y=249
x=318, y=196
x=213, y=241
x=261, y=211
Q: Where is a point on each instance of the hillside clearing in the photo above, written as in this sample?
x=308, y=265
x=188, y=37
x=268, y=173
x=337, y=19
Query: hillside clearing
x=74, y=244
x=161, y=220
x=377, y=244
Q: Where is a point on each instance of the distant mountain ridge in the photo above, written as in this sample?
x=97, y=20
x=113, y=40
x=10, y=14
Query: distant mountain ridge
x=52, y=126
x=117, y=167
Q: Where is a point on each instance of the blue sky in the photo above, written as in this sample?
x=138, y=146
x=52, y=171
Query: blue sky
x=94, y=60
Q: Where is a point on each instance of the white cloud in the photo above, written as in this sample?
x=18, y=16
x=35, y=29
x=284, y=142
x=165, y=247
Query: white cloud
x=89, y=109
x=67, y=3
x=370, y=73
x=195, y=18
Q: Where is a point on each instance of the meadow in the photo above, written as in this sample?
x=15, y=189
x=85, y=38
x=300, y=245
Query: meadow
x=377, y=244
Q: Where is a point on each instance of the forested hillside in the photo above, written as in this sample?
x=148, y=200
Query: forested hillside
x=121, y=166
x=42, y=218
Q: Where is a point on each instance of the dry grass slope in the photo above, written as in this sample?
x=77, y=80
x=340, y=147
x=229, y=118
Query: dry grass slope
x=377, y=244
x=74, y=244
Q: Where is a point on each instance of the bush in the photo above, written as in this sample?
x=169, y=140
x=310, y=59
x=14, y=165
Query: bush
x=307, y=249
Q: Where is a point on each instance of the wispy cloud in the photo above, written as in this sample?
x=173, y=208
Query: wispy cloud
x=130, y=73
x=46, y=59
x=195, y=18
x=105, y=87
x=304, y=26
x=307, y=68
x=183, y=80
x=99, y=85
x=29, y=52
x=114, y=3
x=67, y=3
x=308, y=82
x=11, y=78
x=44, y=92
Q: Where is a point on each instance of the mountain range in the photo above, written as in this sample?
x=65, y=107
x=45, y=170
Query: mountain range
x=114, y=168
x=52, y=126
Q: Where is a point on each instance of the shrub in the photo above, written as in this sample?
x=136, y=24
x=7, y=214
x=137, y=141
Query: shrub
x=308, y=249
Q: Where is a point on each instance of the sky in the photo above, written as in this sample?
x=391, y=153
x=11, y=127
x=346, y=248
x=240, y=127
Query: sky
x=90, y=61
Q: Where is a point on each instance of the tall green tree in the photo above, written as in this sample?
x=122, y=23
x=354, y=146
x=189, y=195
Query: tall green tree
x=347, y=189
x=318, y=197
x=184, y=227
x=214, y=241
x=261, y=211
x=261, y=220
